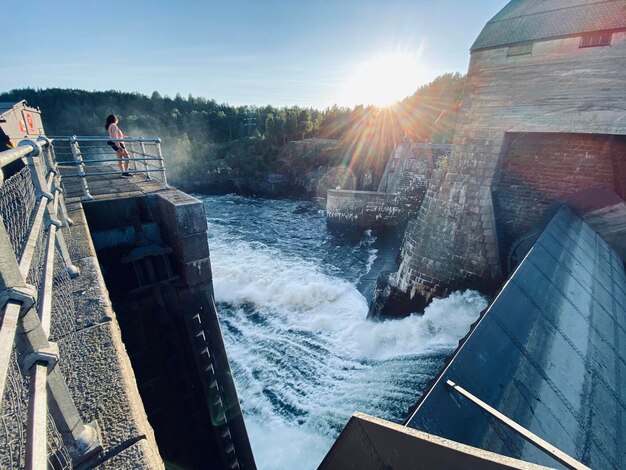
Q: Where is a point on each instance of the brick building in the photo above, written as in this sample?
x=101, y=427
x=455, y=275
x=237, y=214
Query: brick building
x=544, y=116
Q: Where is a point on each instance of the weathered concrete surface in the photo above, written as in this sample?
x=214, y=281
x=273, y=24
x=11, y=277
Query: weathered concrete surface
x=605, y=212
x=94, y=359
x=372, y=443
x=364, y=209
x=153, y=248
x=559, y=88
x=400, y=191
x=184, y=228
x=548, y=354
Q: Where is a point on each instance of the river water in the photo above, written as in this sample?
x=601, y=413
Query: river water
x=303, y=355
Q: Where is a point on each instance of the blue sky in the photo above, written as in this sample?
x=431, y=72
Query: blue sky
x=240, y=52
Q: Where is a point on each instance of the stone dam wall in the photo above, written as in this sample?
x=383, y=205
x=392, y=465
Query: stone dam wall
x=111, y=354
x=533, y=129
x=400, y=191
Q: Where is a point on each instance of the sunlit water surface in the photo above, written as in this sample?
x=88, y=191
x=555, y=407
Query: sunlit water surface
x=303, y=356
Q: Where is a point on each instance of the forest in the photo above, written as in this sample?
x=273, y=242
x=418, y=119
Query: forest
x=200, y=135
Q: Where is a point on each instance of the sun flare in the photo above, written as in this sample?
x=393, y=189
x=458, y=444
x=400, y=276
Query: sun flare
x=383, y=80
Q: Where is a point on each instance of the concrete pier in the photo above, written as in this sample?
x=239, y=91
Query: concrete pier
x=151, y=244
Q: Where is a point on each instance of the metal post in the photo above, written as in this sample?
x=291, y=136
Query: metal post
x=37, y=169
x=31, y=242
x=36, y=431
x=145, y=162
x=7, y=338
x=532, y=438
x=133, y=155
x=78, y=158
x=162, y=166
x=18, y=299
x=32, y=342
x=62, y=209
x=55, y=223
x=46, y=155
x=71, y=268
x=45, y=293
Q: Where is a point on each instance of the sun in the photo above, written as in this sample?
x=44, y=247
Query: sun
x=383, y=80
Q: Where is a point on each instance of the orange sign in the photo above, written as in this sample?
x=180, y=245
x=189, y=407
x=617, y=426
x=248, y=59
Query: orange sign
x=22, y=126
x=31, y=123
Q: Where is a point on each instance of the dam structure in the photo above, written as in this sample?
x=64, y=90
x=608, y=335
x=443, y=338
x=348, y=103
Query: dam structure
x=111, y=354
x=400, y=191
x=530, y=209
x=541, y=119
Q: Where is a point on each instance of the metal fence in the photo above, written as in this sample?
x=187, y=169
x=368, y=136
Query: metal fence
x=95, y=156
x=40, y=426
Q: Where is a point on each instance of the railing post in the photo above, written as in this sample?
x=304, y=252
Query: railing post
x=162, y=166
x=67, y=221
x=36, y=432
x=72, y=270
x=78, y=158
x=37, y=169
x=48, y=154
x=32, y=342
x=145, y=162
x=133, y=155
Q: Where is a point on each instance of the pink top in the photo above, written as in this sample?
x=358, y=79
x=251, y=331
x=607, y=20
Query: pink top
x=115, y=132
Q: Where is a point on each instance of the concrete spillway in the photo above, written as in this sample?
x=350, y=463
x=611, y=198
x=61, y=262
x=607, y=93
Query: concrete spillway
x=548, y=353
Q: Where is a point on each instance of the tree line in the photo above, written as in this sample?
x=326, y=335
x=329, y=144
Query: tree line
x=200, y=134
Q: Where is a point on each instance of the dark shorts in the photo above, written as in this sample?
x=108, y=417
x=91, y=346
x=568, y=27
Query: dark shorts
x=116, y=145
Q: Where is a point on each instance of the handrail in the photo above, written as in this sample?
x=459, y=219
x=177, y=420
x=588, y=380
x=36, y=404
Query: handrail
x=29, y=249
x=85, y=152
x=154, y=140
x=109, y=160
x=22, y=317
x=25, y=148
x=7, y=338
x=45, y=294
x=529, y=436
x=115, y=172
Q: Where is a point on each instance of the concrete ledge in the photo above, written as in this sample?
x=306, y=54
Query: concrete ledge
x=182, y=213
x=94, y=359
x=372, y=443
x=368, y=209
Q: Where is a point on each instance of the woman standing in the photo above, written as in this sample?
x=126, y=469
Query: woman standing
x=116, y=133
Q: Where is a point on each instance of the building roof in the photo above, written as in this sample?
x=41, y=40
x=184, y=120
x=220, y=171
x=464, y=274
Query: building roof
x=531, y=20
x=7, y=106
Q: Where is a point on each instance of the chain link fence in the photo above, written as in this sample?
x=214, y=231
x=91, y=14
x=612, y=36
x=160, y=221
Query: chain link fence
x=63, y=308
x=17, y=209
x=17, y=203
x=13, y=417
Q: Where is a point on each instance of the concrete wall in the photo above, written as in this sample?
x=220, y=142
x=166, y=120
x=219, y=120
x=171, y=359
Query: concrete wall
x=400, y=192
x=155, y=255
x=538, y=168
x=364, y=209
x=548, y=354
x=559, y=88
x=369, y=443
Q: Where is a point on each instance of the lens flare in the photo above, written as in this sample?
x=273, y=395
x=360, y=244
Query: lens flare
x=383, y=80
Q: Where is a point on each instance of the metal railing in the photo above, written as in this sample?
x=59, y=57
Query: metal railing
x=30, y=241
x=93, y=156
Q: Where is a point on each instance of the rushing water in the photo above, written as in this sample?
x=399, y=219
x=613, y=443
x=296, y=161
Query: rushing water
x=304, y=357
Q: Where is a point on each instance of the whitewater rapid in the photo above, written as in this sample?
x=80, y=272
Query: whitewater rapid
x=303, y=355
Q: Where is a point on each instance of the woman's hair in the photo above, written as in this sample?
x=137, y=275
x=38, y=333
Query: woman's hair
x=110, y=120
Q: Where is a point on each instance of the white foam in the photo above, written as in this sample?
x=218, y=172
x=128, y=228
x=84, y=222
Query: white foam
x=306, y=358
x=278, y=446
